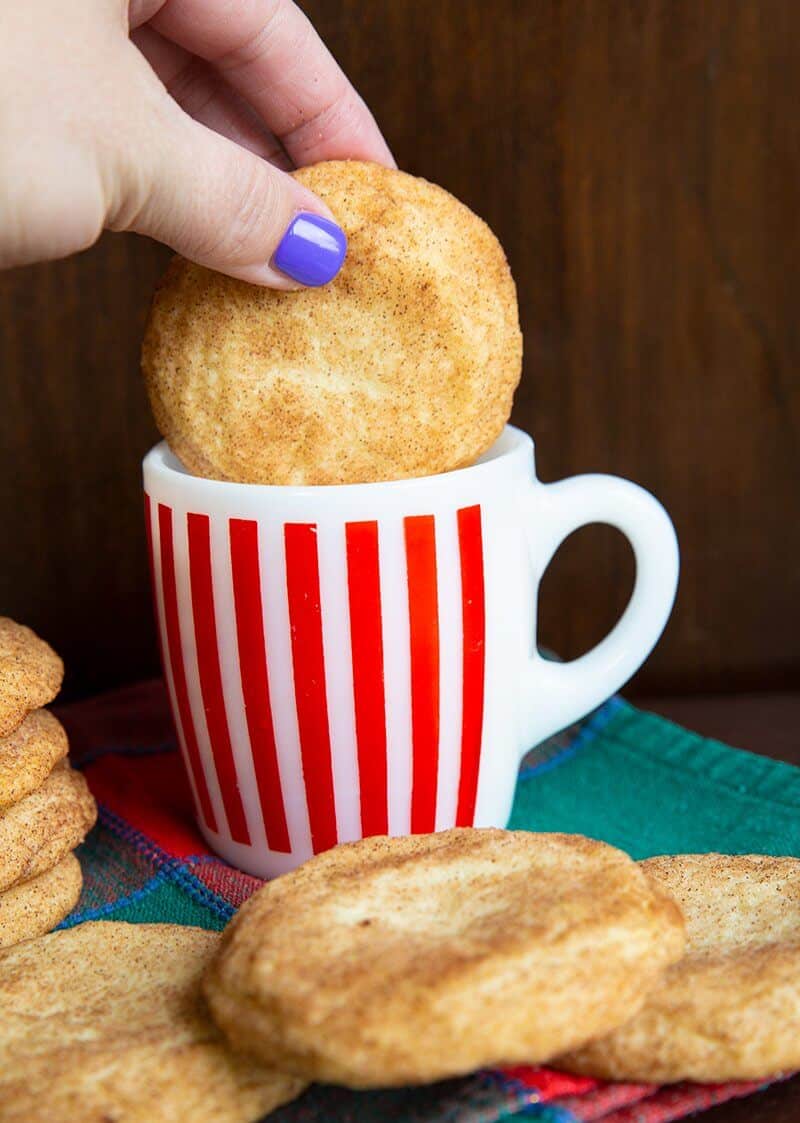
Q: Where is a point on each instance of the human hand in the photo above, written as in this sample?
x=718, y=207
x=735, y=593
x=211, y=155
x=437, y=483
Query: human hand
x=176, y=119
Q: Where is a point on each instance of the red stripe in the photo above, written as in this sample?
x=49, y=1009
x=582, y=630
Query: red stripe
x=205, y=634
x=251, y=639
x=173, y=629
x=308, y=660
x=148, y=526
x=366, y=641
x=423, y=614
x=470, y=545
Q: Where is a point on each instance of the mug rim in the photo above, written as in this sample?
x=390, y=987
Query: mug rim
x=512, y=443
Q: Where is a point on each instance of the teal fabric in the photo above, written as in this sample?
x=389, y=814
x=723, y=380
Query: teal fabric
x=650, y=787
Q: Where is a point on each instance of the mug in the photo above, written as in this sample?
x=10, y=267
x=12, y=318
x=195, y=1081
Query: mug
x=353, y=660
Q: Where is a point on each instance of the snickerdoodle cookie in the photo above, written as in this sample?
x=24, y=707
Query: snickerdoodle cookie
x=730, y=1009
x=404, y=365
x=106, y=1021
x=33, y=907
x=37, y=832
x=406, y=960
x=28, y=755
x=30, y=673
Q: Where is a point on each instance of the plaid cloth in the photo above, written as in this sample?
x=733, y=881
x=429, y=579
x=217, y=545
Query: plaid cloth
x=622, y=775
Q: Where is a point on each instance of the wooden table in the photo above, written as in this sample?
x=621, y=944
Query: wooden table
x=768, y=724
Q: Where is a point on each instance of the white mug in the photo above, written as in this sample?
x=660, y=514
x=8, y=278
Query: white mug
x=361, y=659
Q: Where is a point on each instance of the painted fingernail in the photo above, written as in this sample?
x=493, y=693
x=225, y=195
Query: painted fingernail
x=312, y=250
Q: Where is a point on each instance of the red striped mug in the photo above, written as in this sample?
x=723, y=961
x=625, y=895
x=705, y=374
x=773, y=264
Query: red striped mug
x=357, y=660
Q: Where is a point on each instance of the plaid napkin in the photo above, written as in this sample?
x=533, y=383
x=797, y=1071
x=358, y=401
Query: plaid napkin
x=625, y=776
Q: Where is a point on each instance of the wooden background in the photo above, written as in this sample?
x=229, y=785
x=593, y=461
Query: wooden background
x=640, y=161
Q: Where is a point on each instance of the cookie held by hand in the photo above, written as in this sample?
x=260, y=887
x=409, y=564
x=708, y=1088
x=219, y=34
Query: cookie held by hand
x=397, y=961
x=730, y=1008
x=405, y=365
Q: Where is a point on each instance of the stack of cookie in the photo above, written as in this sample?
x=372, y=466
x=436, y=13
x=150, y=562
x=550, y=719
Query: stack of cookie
x=46, y=808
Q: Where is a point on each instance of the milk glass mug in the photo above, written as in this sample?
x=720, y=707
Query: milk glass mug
x=352, y=660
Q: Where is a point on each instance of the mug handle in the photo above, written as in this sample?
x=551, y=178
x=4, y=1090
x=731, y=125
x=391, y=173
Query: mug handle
x=555, y=695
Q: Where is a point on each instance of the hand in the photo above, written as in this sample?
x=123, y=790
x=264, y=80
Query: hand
x=176, y=119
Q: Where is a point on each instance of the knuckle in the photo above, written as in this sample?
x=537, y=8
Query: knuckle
x=233, y=216
x=257, y=202
x=193, y=87
x=126, y=179
x=337, y=114
x=249, y=45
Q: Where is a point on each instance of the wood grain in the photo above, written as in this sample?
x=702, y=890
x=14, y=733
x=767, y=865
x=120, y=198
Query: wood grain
x=73, y=428
x=640, y=163
x=778, y=1104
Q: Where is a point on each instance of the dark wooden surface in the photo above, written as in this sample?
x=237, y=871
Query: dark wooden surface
x=762, y=723
x=640, y=163
x=778, y=1104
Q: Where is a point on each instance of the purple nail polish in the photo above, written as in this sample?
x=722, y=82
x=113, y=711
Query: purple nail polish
x=312, y=250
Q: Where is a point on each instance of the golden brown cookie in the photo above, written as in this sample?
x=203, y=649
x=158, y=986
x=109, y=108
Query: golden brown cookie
x=106, y=1021
x=730, y=1009
x=28, y=755
x=404, y=365
x=34, y=907
x=30, y=673
x=406, y=960
x=37, y=832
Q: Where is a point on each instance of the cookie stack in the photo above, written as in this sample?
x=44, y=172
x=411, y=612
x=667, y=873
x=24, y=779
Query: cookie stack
x=46, y=808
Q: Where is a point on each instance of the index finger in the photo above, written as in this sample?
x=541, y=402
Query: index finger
x=269, y=51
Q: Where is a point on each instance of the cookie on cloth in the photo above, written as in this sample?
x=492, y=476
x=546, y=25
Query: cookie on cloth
x=404, y=365
x=106, y=1021
x=37, y=832
x=28, y=755
x=33, y=907
x=730, y=1009
x=30, y=673
x=396, y=961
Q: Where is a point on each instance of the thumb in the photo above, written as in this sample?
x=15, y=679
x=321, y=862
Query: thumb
x=222, y=206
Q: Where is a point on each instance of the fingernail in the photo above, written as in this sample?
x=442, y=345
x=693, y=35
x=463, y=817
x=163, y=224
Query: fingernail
x=312, y=250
